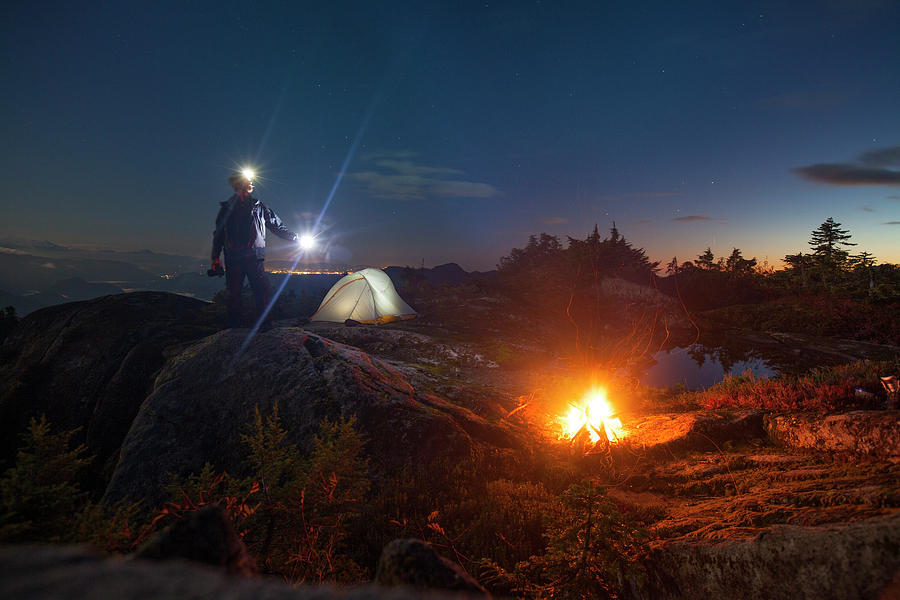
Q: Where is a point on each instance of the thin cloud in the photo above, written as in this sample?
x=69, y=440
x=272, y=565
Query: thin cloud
x=841, y=174
x=893, y=223
x=397, y=177
x=894, y=197
x=877, y=167
x=554, y=220
x=693, y=218
x=408, y=167
x=643, y=222
x=867, y=209
x=887, y=157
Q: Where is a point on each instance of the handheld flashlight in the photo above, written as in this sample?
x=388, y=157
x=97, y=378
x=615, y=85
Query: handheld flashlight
x=306, y=242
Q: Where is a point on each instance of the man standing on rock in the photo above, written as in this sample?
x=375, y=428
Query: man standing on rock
x=241, y=231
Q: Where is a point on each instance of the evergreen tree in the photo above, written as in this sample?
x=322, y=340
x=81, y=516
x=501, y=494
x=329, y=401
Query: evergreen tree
x=536, y=253
x=864, y=260
x=39, y=495
x=798, y=267
x=827, y=241
x=673, y=266
x=738, y=265
x=862, y=264
x=611, y=256
x=707, y=261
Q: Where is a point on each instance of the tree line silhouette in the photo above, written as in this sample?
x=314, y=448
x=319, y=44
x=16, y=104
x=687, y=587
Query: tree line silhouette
x=827, y=290
x=707, y=281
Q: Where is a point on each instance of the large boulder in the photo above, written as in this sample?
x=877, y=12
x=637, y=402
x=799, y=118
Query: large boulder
x=412, y=562
x=662, y=435
x=204, y=399
x=205, y=536
x=872, y=433
x=70, y=572
x=90, y=364
x=846, y=562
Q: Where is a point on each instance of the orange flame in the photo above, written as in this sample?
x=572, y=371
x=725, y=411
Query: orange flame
x=593, y=414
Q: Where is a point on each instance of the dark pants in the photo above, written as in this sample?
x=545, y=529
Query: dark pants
x=252, y=269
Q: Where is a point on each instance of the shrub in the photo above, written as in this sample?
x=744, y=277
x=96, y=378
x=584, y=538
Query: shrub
x=589, y=544
x=39, y=495
x=823, y=389
x=41, y=501
x=292, y=512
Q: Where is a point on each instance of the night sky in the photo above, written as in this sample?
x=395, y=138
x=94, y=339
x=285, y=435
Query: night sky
x=460, y=127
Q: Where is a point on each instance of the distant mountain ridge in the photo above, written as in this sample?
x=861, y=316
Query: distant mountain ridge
x=37, y=274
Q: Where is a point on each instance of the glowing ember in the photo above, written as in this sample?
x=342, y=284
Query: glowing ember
x=594, y=415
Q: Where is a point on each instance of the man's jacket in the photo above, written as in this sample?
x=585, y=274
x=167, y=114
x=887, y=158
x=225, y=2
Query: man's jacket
x=241, y=229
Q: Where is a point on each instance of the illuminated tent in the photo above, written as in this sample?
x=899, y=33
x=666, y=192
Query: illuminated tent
x=367, y=296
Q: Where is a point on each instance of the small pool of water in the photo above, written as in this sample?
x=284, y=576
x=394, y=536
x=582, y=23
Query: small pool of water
x=699, y=366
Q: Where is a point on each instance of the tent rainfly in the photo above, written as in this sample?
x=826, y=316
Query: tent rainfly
x=367, y=296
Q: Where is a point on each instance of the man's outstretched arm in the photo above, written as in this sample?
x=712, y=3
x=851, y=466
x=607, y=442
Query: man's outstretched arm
x=274, y=224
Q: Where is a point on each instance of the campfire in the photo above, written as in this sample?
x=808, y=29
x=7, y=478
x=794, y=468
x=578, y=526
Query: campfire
x=593, y=417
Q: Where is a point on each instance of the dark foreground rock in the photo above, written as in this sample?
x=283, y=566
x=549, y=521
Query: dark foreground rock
x=847, y=562
x=90, y=365
x=414, y=563
x=204, y=398
x=206, y=536
x=62, y=573
x=872, y=433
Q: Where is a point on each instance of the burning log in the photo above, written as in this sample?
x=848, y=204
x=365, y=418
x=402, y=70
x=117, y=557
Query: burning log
x=591, y=424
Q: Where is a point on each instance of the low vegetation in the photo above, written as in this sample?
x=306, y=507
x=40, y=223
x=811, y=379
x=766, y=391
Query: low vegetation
x=320, y=517
x=551, y=528
x=844, y=387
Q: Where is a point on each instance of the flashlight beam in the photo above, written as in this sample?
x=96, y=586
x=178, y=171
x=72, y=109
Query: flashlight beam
x=260, y=320
x=356, y=139
x=350, y=153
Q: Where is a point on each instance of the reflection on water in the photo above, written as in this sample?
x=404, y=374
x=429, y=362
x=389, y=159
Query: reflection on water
x=698, y=366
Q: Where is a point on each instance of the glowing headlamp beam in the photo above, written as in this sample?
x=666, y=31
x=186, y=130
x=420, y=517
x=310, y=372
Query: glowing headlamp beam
x=359, y=134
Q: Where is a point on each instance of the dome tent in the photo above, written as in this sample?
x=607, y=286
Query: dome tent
x=367, y=296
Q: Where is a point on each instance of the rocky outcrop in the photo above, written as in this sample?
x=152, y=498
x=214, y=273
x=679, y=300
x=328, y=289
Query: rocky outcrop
x=73, y=573
x=204, y=399
x=661, y=435
x=872, y=433
x=414, y=563
x=846, y=562
x=404, y=345
x=90, y=364
x=206, y=536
